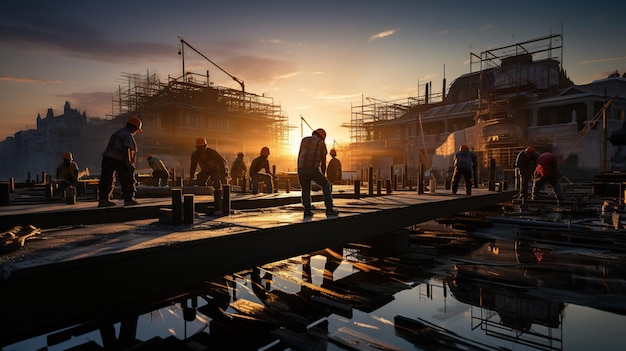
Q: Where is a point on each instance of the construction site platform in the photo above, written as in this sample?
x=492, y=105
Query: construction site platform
x=101, y=259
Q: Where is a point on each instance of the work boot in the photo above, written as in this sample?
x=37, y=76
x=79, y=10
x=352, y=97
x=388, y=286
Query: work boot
x=332, y=212
x=105, y=203
x=130, y=202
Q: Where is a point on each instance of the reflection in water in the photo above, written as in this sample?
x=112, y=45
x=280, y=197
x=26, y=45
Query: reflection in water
x=452, y=291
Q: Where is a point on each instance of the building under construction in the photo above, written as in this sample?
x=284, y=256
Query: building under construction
x=176, y=112
x=519, y=96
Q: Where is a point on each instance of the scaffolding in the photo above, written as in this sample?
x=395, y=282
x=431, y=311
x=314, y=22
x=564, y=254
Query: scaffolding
x=234, y=118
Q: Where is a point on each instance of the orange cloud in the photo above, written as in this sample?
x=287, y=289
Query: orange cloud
x=383, y=34
x=605, y=59
x=29, y=80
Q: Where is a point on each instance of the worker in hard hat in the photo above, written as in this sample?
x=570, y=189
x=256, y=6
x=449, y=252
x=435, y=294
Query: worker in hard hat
x=160, y=173
x=547, y=171
x=333, y=171
x=212, y=165
x=260, y=171
x=119, y=158
x=67, y=171
x=464, y=163
x=525, y=164
x=311, y=168
x=238, y=170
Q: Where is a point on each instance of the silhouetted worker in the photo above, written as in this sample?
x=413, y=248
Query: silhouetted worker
x=333, y=171
x=311, y=168
x=119, y=158
x=547, y=171
x=525, y=164
x=67, y=171
x=160, y=173
x=464, y=161
x=212, y=165
x=261, y=163
x=238, y=170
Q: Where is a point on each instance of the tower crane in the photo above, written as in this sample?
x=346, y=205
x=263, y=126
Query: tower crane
x=182, y=52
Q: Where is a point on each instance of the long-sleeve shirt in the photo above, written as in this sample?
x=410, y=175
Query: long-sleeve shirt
x=312, y=154
x=465, y=160
x=68, y=171
x=258, y=164
x=525, y=163
x=209, y=161
x=547, y=166
x=157, y=165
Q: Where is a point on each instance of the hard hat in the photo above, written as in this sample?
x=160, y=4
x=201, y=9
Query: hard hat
x=148, y=157
x=240, y=154
x=333, y=152
x=464, y=148
x=265, y=151
x=530, y=151
x=135, y=122
x=200, y=142
x=68, y=156
x=321, y=132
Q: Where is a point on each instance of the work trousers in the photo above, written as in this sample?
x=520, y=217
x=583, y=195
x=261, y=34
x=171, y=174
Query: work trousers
x=266, y=178
x=467, y=177
x=305, y=177
x=125, y=175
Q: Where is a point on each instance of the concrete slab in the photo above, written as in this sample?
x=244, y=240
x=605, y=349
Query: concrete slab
x=83, y=271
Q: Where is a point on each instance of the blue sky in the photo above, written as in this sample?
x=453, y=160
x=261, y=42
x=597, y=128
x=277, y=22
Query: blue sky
x=316, y=59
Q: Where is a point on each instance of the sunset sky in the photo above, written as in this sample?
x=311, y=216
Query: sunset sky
x=315, y=58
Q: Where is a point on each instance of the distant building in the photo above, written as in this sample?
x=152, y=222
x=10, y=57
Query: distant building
x=519, y=97
x=29, y=153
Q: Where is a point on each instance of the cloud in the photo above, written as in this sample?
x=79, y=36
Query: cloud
x=288, y=75
x=606, y=59
x=486, y=26
x=74, y=39
x=29, y=80
x=271, y=41
x=383, y=34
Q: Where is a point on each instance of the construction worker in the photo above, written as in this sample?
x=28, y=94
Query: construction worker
x=119, y=158
x=547, y=171
x=525, y=164
x=160, y=173
x=67, y=171
x=311, y=168
x=261, y=163
x=238, y=170
x=333, y=171
x=212, y=165
x=464, y=162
